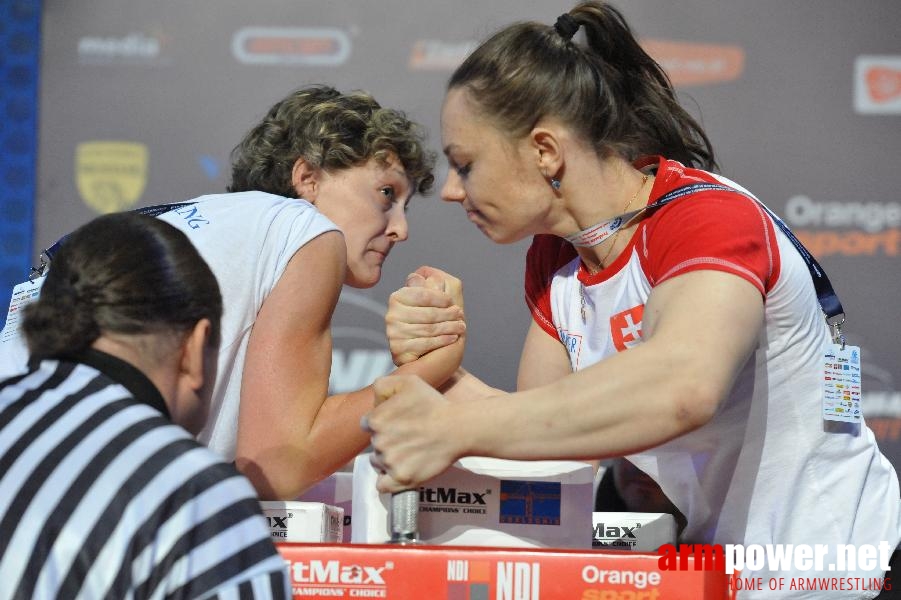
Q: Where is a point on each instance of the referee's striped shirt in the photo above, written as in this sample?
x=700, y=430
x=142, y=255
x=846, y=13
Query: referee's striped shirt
x=101, y=496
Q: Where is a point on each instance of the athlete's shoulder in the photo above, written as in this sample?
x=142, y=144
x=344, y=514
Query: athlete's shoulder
x=716, y=224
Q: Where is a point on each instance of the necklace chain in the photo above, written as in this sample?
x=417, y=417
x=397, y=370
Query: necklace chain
x=603, y=261
x=597, y=234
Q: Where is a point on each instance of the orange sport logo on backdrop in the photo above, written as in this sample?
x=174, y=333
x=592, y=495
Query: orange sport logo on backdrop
x=877, y=85
x=848, y=228
x=688, y=63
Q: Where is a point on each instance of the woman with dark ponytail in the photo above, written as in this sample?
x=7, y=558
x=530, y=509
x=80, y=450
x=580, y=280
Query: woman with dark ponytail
x=122, y=275
x=675, y=322
x=96, y=439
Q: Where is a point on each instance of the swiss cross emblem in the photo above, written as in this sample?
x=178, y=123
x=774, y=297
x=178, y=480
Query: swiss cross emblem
x=625, y=327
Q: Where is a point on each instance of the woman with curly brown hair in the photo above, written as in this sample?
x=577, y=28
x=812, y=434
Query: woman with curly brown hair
x=317, y=199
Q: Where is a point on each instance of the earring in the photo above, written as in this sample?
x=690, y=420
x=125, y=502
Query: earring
x=555, y=183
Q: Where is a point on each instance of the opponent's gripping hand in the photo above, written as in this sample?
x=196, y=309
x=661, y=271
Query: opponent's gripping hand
x=410, y=438
x=424, y=315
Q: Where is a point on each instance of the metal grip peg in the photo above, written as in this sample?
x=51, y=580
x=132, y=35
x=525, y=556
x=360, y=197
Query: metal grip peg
x=404, y=517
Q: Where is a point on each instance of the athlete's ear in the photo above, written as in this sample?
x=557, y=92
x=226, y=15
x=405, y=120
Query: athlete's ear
x=305, y=180
x=545, y=142
x=189, y=405
x=192, y=366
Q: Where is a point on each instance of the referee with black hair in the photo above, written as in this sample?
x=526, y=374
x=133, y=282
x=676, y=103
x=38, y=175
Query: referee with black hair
x=104, y=493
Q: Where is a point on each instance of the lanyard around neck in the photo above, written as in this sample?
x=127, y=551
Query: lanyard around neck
x=47, y=254
x=826, y=295
x=596, y=234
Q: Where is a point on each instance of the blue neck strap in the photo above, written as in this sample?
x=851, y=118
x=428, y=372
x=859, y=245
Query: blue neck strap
x=153, y=211
x=829, y=301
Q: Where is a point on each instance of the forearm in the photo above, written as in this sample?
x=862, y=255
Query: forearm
x=335, y=437
x=670, y=384
x=463, y=385
x=610, y=409
x=438, y=366
x=285, y=462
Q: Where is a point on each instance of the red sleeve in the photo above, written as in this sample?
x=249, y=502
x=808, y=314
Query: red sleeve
x=545, y=256
x=712, y=231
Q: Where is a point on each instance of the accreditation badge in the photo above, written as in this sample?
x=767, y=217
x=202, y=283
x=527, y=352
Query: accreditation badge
x=13, y=349
x=23, y=294
x=841, y=383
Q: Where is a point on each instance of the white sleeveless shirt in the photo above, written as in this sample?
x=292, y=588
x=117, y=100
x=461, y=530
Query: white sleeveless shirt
x=247, y=238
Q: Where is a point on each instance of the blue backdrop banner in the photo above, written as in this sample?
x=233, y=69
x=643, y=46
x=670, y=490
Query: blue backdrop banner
x=20, y=28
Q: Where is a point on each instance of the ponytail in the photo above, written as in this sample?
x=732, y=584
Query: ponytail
x=610, y=90
x=122, y=273
x=62, y=320
x=656, y=123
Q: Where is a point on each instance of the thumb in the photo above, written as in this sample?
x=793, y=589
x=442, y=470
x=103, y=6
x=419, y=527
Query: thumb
x=434, y=279
x=386, y=387
x=434, y=283
x=416, y=280
x=411, y=386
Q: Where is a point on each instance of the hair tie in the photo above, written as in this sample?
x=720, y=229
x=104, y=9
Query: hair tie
x=566, y=26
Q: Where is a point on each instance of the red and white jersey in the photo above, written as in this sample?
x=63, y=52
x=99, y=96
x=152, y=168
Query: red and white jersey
x=756, y=473
x=709, y=230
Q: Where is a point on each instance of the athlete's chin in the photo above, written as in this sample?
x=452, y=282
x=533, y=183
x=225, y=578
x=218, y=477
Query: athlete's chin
x=364, y=279
x=499, y=236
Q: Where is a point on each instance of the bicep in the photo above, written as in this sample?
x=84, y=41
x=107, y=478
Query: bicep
x=286, y=368
x=708, y=322
x=543, y=360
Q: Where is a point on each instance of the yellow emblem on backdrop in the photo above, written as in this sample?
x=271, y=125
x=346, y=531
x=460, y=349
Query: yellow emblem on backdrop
x=111, y=176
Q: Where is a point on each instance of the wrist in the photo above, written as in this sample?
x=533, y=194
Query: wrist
x=459, y=418
x=456, y=377
x=440, y=365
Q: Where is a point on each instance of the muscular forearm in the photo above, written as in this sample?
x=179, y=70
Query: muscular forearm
x=699, y=330
x=463, y=385
x=335, y=437
x=610, y=409
x=438, y=366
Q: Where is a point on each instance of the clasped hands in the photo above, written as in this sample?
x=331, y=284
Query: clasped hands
x=409, y=426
